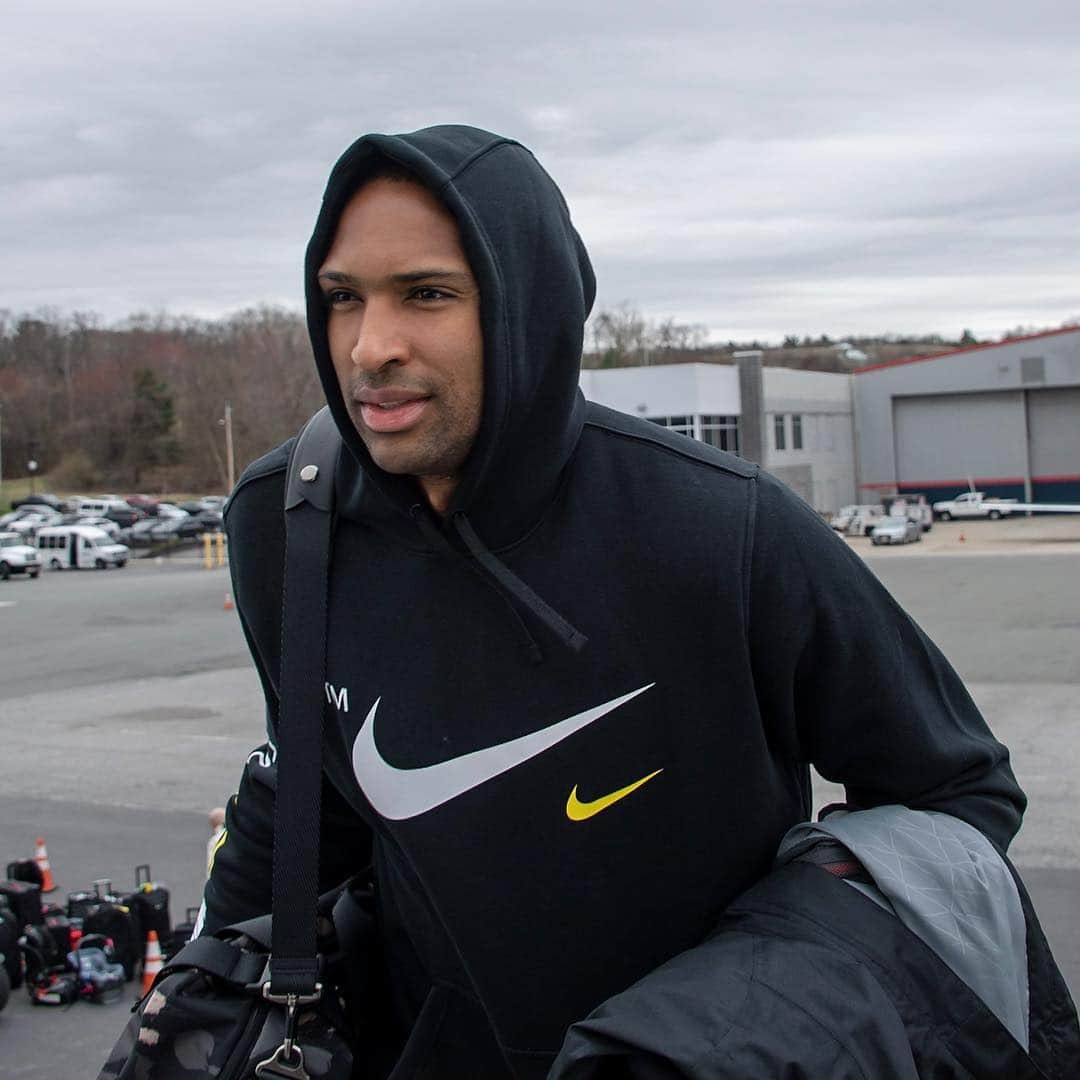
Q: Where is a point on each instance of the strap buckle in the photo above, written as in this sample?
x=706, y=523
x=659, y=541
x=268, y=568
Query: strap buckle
x=287, y=1060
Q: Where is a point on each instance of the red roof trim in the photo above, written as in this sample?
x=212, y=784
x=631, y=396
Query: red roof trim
x=979, y=482
x=967, y=349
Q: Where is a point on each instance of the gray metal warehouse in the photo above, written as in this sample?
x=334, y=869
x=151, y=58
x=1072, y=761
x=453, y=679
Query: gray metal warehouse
x=1003, y=418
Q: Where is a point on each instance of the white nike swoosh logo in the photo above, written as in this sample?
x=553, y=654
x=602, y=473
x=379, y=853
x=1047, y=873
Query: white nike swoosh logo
x=398, y=794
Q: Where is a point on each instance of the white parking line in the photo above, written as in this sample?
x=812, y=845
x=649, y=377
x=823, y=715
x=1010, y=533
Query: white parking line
x=8, y=603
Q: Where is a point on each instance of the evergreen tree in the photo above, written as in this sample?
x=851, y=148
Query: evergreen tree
x=153, y=417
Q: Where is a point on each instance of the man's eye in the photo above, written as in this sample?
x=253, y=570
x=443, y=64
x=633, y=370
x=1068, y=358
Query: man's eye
x=338, y=297
x=429, y=293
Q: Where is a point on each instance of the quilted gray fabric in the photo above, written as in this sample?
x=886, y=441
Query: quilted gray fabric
x=948, y=885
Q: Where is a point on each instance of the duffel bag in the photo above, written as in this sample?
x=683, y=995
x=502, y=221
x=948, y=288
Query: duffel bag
x=208, y=1013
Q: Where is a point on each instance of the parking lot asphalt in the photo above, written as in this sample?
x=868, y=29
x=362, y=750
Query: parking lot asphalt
x=128, y=705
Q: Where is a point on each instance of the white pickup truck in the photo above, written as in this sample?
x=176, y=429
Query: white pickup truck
x=973, y=504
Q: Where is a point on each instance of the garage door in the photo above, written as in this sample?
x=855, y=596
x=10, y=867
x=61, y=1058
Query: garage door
x=943, y=439
x=1054, y=423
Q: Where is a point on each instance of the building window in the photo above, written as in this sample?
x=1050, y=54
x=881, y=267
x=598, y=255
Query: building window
x=721, y=432
x=778, y=432
x=796, y=431
x=684, y=425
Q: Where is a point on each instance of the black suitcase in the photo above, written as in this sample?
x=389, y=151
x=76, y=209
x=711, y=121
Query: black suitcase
x=79, y=903
x=116, y=923
x=10, y=954
x=24, y=899
x=26, y=870
x=181, y=934
x=151, y=900
x=59, y=926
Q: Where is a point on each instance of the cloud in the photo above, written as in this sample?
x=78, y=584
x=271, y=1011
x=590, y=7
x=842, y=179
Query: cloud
x=787, y=166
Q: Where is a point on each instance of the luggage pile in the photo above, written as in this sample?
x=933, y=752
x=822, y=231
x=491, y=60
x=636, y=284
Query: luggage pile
x=87, y=949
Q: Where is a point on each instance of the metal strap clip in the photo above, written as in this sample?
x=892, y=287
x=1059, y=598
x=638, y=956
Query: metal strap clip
x=288, y=1059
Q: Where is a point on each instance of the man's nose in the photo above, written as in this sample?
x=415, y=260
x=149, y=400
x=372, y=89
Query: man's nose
x=380, y=339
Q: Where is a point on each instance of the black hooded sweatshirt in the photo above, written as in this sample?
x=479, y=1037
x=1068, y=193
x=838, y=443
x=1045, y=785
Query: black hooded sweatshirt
x=570, y=720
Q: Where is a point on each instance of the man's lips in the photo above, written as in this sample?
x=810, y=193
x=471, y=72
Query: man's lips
x=390, y=410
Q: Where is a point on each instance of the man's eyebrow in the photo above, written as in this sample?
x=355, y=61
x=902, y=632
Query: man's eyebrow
x=426, y=274
x=406, y=278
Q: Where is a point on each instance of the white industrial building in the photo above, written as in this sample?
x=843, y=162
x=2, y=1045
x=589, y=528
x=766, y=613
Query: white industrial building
x=797, y=424
x=1004, y=418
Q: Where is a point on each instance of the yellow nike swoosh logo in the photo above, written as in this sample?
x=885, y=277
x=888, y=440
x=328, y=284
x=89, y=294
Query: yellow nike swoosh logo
x=576, y=810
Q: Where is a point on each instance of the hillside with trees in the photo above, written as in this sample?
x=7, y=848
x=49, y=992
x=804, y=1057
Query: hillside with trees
x=139, y=405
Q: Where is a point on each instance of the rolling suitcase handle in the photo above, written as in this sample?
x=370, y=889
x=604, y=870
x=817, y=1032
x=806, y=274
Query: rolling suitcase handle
x=142, y=875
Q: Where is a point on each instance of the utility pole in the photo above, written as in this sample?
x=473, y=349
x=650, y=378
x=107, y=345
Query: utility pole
x=229, y=459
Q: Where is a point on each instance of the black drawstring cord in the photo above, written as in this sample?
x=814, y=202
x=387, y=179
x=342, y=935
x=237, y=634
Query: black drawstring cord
x=438, y=541
x=569, y=635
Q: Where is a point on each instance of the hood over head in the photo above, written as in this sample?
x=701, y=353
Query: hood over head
x=536, y=290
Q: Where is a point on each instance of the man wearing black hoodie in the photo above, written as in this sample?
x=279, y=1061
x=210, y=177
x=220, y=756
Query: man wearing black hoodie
x=577, y=665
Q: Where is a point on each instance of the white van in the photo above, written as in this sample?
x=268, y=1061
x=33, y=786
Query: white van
x=17, y=556
x=78, y=547
x=99, y=507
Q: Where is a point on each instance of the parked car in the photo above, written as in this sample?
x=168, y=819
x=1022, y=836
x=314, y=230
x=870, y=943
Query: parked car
x=207, y=502
x=107, y=524
x=146, y=503
x=22, y=512
x=911, y=504
x=138, y=535
x=30, y=520
x=165, y=529
x=203, y=522
x=188, y=527
x=42, y=498
x=125, y=516
x=17, y=556
x=169, y=510
x=896, y=530
x=79, y=547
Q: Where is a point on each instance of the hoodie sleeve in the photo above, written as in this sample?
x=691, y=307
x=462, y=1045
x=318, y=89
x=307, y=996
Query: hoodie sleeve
x=847, y=681
x=240, y=884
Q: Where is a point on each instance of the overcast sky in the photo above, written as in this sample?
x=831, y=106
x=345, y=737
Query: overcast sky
x=761, y=168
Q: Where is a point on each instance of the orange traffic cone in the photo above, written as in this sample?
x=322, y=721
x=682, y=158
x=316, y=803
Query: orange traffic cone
x=152, y=963
x=228, y=602
x=41, y=857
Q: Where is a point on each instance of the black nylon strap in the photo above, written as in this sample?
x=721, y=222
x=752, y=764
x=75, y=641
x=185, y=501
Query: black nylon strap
x=222, y=959
x=294, y=962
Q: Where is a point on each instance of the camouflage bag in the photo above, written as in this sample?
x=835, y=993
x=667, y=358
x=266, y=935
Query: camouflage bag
x=207, y=1013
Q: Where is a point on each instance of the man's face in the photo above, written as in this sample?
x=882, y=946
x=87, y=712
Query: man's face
x=403, y=321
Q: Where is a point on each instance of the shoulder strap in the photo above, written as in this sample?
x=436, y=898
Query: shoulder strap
x=313, y=463
x=309, y=491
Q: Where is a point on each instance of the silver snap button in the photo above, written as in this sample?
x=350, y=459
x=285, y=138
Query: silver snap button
x=309, y=472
